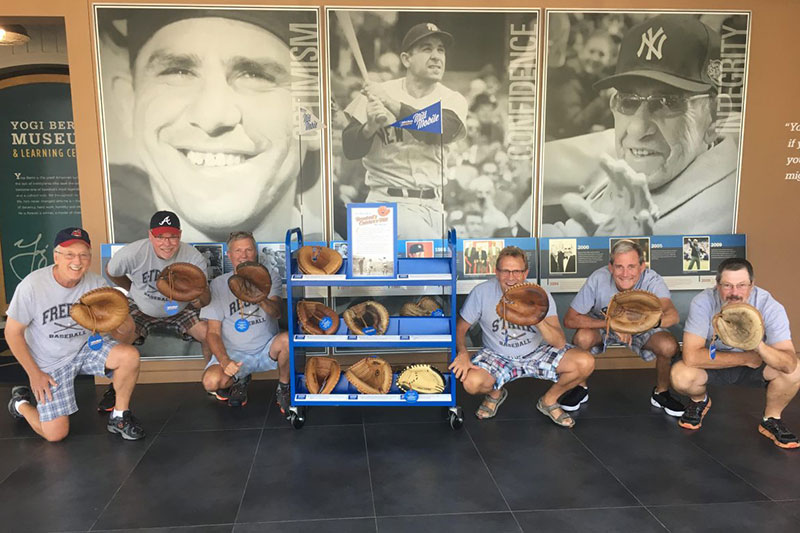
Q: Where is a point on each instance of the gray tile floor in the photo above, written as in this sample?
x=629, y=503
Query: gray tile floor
x=207, y=468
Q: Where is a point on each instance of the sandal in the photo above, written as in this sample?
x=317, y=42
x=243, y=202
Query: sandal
x=488, y=407
x=563, y=420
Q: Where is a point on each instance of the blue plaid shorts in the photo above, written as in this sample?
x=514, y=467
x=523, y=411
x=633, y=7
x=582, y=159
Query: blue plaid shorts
x=179, y=323
x=540, y=363
x=251, y=362
x=637, y=341
x=87, y=361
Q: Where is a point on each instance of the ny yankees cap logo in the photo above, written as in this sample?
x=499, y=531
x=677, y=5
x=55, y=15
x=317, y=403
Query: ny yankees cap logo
x=653, y=47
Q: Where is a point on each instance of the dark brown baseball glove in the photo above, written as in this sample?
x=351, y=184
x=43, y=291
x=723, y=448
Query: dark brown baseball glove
x=370, y=375
x=425, y=306
x=318, y=260
x=322, y=374
x=313, y=315
x=369, y=314
x=634, y=311
x=739, y=325
x=421, y=378
x=100, y=310
x=182, y=282
x=524, y=304
x=251, y=283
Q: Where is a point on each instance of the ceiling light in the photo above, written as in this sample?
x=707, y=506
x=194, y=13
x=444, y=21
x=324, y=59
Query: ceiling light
x=13, y=34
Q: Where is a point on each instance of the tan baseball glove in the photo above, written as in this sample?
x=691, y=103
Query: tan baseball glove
x=311, y=316
x=318, y=260
x=524, y=304
x=739, y=325
x=322, y=374
x=633, y=312
x=425, y=306
x=421, y=378
x=369, y=314
x=182, y=282
x=251, y=283
x=371, y=375
x=100, y=310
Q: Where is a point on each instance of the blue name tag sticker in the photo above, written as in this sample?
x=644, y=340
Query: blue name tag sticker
x=325, y=323
x=299, y=337
x=95, y=342
x=352, y=396
x=352, y=337
x=411, y=396
x=405, y=337
x=297, y=276
x=712, y=350
x=171, y=307
x=300, y=396
x=370, y=331
x=438, y=312
x=241, y=325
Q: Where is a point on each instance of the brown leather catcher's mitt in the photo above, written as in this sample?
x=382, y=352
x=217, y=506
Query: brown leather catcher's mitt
x=633, y=312
x=182, y=282
x=524, y=304
x=421, y=378
x=370, y=375
x=100, y=310
x=251, y=283
x=311, y=316
x=425, y=306
x=318, y=260
x=739, y=325
x=322, y=374
x=369, y=314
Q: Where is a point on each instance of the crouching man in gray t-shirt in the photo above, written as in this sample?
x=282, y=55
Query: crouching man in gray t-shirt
x=511, y=352
x=53, y=349
x=773, y=364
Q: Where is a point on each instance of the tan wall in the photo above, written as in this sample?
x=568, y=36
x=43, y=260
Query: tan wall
x=767, y=205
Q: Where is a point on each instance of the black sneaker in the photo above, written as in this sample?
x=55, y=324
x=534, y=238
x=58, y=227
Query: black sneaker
x=283, y=397
x=773, y=429
x=238, y=393
x=221, y=394
x=20, y=392
x=126, y=425
x=692, y=417
x=667, y=402
x=108, y=401
x=573, y=398
x=138, y=342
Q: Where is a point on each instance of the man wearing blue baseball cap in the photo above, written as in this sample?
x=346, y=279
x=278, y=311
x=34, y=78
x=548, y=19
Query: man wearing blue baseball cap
x=672, y=172
x=53, y=349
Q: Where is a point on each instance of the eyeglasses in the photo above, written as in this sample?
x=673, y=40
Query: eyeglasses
x=658, y=105
x=504, y=272
x=71, y=256
x=167, y=238
x=730, y=286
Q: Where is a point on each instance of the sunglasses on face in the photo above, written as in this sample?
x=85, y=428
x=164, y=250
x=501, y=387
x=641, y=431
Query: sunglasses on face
x=659, y=105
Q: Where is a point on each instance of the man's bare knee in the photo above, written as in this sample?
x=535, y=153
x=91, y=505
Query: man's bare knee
x=683, y=377
x=585, y=338
x=55, y=430
x=477, y=383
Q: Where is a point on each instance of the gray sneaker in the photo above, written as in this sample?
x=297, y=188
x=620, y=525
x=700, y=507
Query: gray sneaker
x=238, y=393
x=126, y=425
x=283, y=397
x=20, y=392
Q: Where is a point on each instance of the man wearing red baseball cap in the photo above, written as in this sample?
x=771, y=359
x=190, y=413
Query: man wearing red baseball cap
x=136, y=267
x=53, y=349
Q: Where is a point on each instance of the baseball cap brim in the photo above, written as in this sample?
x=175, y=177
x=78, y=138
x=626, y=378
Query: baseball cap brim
x=73, y=241
x=447, y=39
x=663, y=77
x=166, y=229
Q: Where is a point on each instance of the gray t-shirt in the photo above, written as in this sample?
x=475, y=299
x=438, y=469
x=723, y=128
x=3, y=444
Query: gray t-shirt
x=225, y=308
x=42, y=305
x=139, y=262
x=593, y=298
x=707, y=304
x=481, y=306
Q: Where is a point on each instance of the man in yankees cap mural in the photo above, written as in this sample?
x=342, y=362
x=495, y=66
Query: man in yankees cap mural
x=672, y=173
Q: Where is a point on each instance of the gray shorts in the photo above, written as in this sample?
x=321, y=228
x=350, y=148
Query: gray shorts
x=738, y=375
x=637, y=343
x=87, y=362
x=251, y=362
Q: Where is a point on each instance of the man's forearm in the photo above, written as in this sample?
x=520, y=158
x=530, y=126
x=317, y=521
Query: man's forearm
x=355, y=144
x=21, y=352
x=218, y=348
x=121, y=281
x=780, y=360
x=581, y=321
x=700, y=358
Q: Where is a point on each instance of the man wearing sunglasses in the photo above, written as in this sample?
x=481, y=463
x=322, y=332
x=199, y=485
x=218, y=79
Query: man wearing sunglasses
x=773, y=364
x=136, y=267
x=672, y=173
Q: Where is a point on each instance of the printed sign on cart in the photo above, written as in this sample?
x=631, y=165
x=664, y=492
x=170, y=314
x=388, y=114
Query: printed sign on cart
x=372, y=240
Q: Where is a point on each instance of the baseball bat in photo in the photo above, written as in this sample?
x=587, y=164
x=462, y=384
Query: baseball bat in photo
x=350, y=35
